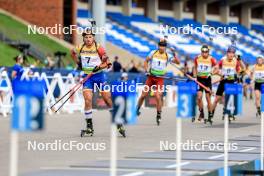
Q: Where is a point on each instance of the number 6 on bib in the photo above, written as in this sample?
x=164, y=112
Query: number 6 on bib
x=186, y=100
x=233, y=99
x=124, y=103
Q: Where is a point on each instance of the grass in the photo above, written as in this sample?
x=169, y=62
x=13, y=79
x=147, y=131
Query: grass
x=7, y=55
x=18, y=31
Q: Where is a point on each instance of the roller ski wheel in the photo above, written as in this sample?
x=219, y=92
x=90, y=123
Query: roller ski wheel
x=121, y=130
x=88, y=132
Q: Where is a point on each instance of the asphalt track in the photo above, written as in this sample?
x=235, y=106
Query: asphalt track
x=139, y=153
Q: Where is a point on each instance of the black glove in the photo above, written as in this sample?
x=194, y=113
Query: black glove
x=238, y=57
x=96, y=69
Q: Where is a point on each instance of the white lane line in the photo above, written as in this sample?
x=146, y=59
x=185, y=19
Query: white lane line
x=216, y=156
x=175, y=165
x=248, y=149
x=133, y=174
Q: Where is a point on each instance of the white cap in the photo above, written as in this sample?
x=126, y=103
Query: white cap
x=124, y=75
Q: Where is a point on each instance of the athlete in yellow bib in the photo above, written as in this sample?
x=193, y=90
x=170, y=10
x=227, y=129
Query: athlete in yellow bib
x=257, y=74
x=203, y=67
x=92, y=59
x=158, y=61
x=229, y=66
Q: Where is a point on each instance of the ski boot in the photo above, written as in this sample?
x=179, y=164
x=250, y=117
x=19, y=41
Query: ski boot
x=138, y=111
x=158, y=118
x=258, y=114
x=121, y=130
x=210, y=116
x=231, y=118
x=201, y=116
x=89, y=128
x=193, y=119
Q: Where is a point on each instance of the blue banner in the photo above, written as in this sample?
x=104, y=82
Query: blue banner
x=124, y=102
x=233, y=99
x=186, y=100
x=28, y=105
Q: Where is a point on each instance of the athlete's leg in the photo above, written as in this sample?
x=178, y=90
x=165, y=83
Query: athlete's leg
x=88, y=95
x=107, y=98
x=158, y=96
x=200, y=104
x=257, y=101
x=144, y=93
x=245, y=86
x=200, y=100
x=141, y=99
x=216, y=101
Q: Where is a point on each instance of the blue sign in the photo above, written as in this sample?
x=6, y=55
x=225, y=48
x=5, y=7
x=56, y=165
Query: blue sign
x=262, y=97
x=124, y=102
x=28, y=105
x=186, y=99
x=233, y=99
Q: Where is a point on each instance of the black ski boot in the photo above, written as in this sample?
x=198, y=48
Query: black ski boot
x=210, y=117
x=258, y=114
x=121, y=130
x=158, y=117
x=138, y=111
x=89, y=128
x=201, y=116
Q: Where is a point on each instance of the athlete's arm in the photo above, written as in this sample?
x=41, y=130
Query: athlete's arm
x=175, y=59
x=195, y=68
x=13, y=75
x=15, y=71
x=252, y=73
x=240, y=65
x=104, y=58
x=215, y=67
x=74, y=55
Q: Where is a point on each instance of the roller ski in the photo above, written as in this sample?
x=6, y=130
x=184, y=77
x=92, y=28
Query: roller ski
x=158, y=118
x=121, y=130
x=89, y=128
